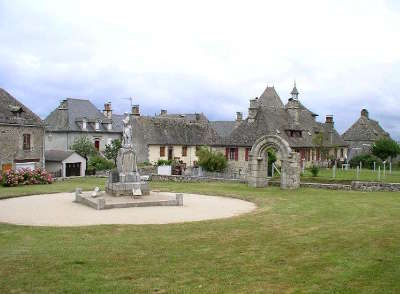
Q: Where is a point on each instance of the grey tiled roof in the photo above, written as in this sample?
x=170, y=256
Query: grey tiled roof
x=223, y=128
x=71, y=112
x=269, y=98
x=57, y=155
x=10, y=106
x=365, y=129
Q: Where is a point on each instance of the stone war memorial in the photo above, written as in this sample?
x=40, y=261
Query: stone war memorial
x=258, y=163
x=124, y=186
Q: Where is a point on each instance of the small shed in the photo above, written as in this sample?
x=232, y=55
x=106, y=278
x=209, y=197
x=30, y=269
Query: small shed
x=65, y=163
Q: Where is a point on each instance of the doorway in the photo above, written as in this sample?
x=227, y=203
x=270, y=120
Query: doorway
x=73, y=169
x=170, y=152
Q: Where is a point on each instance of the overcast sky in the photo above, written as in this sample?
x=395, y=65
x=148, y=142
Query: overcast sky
x=205, y=56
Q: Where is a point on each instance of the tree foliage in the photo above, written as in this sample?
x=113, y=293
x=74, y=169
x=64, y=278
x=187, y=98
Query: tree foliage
x=111, y=151
x=100, y=163
x=84, y=147
x=210, y=160
x=367, y=161
x=385, y=148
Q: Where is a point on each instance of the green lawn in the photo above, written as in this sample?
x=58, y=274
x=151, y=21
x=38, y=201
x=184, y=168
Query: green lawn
x=87, y=183
x=326, y=175
x=308, y=240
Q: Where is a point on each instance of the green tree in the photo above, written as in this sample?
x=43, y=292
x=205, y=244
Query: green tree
x=211, y=161
x=384, y=148
x=318, y=141
x=84, y=147
x=111, y=151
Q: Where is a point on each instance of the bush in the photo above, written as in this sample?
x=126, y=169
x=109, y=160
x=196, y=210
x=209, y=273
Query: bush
x=386, y=147
x=211, y=161
x=26, y=176
x=100, y=163
x=314, y=170
x=164, y=162
x=367, y=161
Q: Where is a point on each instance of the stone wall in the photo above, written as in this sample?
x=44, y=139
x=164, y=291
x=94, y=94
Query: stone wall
x=11, y=144
x=375, y=186
x=190, y=179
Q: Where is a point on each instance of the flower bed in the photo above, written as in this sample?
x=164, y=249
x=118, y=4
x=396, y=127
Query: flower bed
x=25, y=176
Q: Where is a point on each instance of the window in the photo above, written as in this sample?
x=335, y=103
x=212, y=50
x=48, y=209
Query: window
x=294, y=133
x=162, y=151
x=246, y=155
x=233, y=153
x=184, y=150
x=27, y=141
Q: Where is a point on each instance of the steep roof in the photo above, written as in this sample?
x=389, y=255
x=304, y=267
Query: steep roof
x=174, y=131
x=365, y=129
x=57, y=155
x=71, y=112
x=13, y=111
x=223, y=128
x=270, y=98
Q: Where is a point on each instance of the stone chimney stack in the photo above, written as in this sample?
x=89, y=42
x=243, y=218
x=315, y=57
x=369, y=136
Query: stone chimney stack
x=163, y=112
x=239, y=116
x=197, y=116
x=107, y=110
x=365, y=113
x=63, y=104
x=253, y=109
x=329, y=119
x=135, y=110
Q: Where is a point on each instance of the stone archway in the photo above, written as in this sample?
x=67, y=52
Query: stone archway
x=258, y=164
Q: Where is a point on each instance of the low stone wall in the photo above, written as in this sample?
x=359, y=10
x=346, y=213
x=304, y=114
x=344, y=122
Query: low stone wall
x=375, y=186
x=190, y=179
x=355, y=185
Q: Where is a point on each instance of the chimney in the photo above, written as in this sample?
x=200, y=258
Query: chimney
x=163, y=112
x=364, y=113
x=135, y=110
x=329, y=119
x=107, y=110
x=253, y=109
x=63, y=105
x=239, y=116
x=197, y=116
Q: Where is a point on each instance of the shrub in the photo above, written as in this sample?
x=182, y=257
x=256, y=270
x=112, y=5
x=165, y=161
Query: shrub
x=163, y=162
x=367, y=161
x=386, y=147
x=26, y=176
x=314, y=170
x=211, y=161
x=100, y=163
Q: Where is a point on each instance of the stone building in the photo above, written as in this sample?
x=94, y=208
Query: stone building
x=75, y=118
x=21, y=135
x=362, y=134
x=177, y=136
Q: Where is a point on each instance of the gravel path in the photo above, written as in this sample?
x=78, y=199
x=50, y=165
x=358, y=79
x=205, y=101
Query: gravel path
x=60, y=210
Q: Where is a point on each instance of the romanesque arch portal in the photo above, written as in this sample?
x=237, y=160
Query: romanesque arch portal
x=258, y=163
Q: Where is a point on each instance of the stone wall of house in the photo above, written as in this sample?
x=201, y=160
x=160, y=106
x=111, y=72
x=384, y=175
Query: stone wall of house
x=154, y=153
x=11, y=144
x=64, y=140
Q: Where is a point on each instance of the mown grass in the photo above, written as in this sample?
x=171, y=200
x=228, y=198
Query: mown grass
x=307, y=240
x=346, y=176
x=68, y=185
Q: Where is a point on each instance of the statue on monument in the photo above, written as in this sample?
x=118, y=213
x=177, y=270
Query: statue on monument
x=126, y=161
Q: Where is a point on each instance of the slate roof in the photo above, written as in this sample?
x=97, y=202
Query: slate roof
x=71, y=112
x=13, y=111
x=270, y=98
x=365, y=129
x=273, y=117
x=57, y=155
x=224, y=128
x=174, y=131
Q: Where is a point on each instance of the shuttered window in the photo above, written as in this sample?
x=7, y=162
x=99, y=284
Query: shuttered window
x=246, y=155
x=184, y=151
x=27, y=141
x=162, y=151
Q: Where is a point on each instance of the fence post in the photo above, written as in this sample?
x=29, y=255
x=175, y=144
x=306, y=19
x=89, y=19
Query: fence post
x=379, y=173
x=272, y=171
x=334, y=171
x=358, y=172
x=374, y=166
x=384, y=168
x=390, y=167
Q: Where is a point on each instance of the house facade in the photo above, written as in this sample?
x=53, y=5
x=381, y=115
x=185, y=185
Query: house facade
x=178, y=136
x=362, y=134
x=21, y=135
x=77, y=118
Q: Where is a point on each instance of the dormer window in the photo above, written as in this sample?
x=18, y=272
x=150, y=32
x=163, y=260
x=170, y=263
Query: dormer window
x=294, y=133
x=97, y=125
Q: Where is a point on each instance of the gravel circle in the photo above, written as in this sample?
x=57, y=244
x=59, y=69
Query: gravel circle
x=60, y=210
